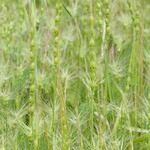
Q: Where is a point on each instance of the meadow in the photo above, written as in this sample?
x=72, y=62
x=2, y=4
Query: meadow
x=74, y=75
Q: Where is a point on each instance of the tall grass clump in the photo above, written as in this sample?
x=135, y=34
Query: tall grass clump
x=74, y=75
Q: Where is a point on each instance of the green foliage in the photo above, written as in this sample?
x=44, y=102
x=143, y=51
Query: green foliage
x=74, y=75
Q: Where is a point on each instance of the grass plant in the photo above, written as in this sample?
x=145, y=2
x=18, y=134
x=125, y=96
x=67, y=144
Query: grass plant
x=74, y=75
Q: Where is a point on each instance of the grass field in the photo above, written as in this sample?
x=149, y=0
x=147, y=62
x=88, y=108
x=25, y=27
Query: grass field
x=74, y=75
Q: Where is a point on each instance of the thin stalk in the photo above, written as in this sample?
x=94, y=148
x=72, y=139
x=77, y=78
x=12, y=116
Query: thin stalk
x=59, y=83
